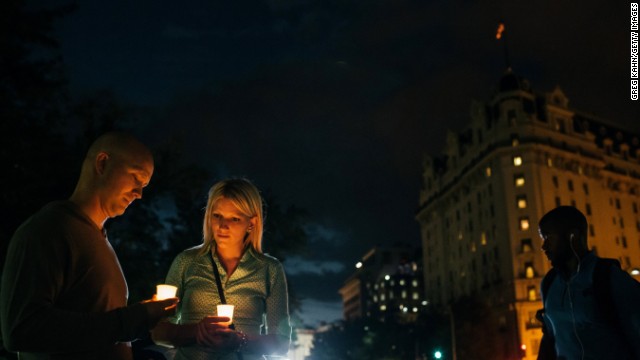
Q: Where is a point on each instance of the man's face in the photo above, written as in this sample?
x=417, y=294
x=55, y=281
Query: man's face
x=123, y=180
x=555, y=246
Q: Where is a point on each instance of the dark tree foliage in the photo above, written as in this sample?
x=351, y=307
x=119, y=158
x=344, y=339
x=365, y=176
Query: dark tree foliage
x=36, y=165
x=479, y=334
x=372, y=339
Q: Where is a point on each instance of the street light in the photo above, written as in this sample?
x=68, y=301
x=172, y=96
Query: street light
x=437, y=354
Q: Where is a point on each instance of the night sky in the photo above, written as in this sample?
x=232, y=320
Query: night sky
x=330, y=105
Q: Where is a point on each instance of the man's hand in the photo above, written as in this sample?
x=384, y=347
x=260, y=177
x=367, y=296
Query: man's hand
x=159, y=309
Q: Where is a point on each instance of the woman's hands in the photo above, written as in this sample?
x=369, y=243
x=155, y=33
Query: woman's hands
x=211, y=333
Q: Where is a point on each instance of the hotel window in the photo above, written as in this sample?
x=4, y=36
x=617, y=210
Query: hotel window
x=404, y=294
x=483, y=238
x=526, y=245
x=549, y=161
x=517, y=160
x=515, y=141
x=621, y=222
x=521, y=201
x=573, y=203
x=414, y=283
x=588, y=209
x=555, y=181
x=531, y=293
x=570, y=185
x=558, y=201
x=524, y=223
x=586, y=188
x=635, y=208
x=402, y=282
x=529, y=273
x=518, y=180
x=415, y=296
x=624, y=242
x=617, y=203
x=592, y=231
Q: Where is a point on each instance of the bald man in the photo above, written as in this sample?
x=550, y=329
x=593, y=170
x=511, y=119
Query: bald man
x=63, y=294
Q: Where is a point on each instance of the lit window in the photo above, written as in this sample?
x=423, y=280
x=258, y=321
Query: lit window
x=414, y=283
x=531, y=293
x=387, y=277
x=392, y=283
x=425, y=302
x=402, y=282
x=473, y=247
x=522, y=201
x=524, y=223
x=415, y=296
x=383, y=307
x=382, y=297
x=483, y=238
x=487, y=171
x=549, y=162
x=517, y=160
x=526, y=245
x=519, y=180
x=415, y=309
x=390, y=295
x=529, y=273
x=404, y=294
x=375, y=298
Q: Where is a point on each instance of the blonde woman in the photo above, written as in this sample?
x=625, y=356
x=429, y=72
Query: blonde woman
x=253, y=282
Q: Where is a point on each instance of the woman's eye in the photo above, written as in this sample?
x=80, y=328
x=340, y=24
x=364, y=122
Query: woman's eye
x=216, y=216
x=236, y=219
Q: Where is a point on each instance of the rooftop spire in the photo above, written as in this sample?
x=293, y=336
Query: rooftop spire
x=501, y=35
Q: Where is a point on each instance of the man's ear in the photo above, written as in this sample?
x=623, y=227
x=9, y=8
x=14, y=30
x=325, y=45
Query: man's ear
x=101, y=162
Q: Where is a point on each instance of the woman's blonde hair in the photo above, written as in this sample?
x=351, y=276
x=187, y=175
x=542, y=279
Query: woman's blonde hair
x=246, y=197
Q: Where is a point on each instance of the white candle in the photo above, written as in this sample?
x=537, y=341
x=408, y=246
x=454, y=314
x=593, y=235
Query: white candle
x=165, y=291
x=226, y=310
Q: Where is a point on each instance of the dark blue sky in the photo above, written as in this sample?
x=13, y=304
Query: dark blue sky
x=332, y=104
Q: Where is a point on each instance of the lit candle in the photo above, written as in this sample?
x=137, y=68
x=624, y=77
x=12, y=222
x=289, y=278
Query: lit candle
x=227, y=311
x=165, y=291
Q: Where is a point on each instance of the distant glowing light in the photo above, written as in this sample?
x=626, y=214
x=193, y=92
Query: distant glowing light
x=635, y=272
x=387, y=277
x=517, y=160
x=500, y=31
x=425, y=303
x=358, y=265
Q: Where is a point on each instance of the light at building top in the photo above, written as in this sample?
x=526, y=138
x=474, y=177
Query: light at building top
x=358, y=264
x=635, y=272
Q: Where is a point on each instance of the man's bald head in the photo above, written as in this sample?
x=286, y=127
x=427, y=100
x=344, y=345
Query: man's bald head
x=114, y=172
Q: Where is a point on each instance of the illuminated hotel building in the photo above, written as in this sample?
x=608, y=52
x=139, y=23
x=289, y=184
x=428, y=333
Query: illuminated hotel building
x=523, y=154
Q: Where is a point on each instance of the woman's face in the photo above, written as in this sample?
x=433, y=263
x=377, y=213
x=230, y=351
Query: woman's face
x=228, y=224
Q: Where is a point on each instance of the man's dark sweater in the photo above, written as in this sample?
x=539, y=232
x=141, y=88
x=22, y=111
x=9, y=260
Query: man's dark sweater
x=63, y=294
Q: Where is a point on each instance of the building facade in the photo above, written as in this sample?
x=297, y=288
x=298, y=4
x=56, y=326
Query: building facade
x=387, y=285
x=523, y=154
